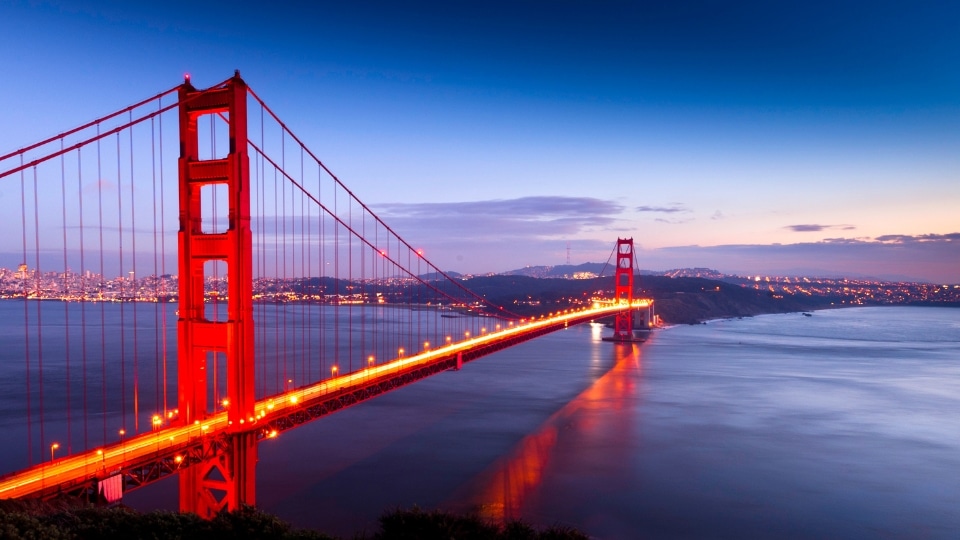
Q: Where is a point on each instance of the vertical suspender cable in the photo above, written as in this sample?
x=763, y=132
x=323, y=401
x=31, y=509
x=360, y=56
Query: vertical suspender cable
x=156, y=274
x=120, y=281
x=350, y=279
x=84, y=298
x=163, y=259
x=135, y=292
x=26, y=314
x=304, y=282
x=278, y=289
x=283, y=254
x=103, y=332
x=65, y=293
x=38, y=293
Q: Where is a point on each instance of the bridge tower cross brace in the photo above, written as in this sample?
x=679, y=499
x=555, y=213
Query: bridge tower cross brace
x=227, y=479
x=623, y=291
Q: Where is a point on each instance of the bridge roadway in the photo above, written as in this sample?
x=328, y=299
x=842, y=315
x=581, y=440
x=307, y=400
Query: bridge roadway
x=145, y=458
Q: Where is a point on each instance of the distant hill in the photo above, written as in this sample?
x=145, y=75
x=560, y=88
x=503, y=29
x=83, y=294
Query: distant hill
x=570, y=271
x=706, y=273
x=436, y=276
x=681, y=300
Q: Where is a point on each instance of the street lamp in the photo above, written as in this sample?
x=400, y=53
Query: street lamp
x=370, y=360
x=333, y=371
x=400, y=351
x=53, y=448
x=156, y=421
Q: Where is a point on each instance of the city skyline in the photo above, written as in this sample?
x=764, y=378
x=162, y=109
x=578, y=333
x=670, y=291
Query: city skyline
x=814, y=140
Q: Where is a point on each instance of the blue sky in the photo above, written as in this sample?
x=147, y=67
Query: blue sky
x=751, y=137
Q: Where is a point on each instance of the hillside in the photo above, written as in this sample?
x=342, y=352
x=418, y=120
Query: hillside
x=680, y=300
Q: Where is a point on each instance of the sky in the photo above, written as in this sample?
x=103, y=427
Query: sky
x=815, y=138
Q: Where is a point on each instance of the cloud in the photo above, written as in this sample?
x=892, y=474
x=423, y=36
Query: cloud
x=512, y=219
x=718, y=215
x=504, y=234
x=810, y=227
x=525, y=208
x=672, y=209
x=927, y=257
x=908, y=239
x=673, y=221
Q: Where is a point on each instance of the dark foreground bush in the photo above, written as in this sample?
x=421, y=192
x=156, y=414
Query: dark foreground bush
x=416, y=524
x=122, y=523
x=32, y=521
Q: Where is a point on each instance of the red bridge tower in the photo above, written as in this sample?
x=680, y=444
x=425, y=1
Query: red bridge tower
x=228, y=480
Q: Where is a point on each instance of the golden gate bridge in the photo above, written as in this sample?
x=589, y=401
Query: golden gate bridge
x=273, y=296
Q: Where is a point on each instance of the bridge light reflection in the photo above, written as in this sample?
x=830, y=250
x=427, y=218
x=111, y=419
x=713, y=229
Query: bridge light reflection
x=142, y=446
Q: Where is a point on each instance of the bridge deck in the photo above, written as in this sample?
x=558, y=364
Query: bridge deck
x=148, y=457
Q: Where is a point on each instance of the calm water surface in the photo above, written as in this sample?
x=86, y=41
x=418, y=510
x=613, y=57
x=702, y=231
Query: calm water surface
x=844, y=424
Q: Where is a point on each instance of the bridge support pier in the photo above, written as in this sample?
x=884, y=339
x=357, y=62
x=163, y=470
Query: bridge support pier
x=226, y=480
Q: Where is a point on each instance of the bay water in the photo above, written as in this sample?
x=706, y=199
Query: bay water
x=843, y=424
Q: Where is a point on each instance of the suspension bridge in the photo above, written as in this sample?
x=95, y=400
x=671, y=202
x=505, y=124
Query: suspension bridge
x=155, y=338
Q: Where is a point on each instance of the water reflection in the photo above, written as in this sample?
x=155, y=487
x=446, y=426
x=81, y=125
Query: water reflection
x=507, y=489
